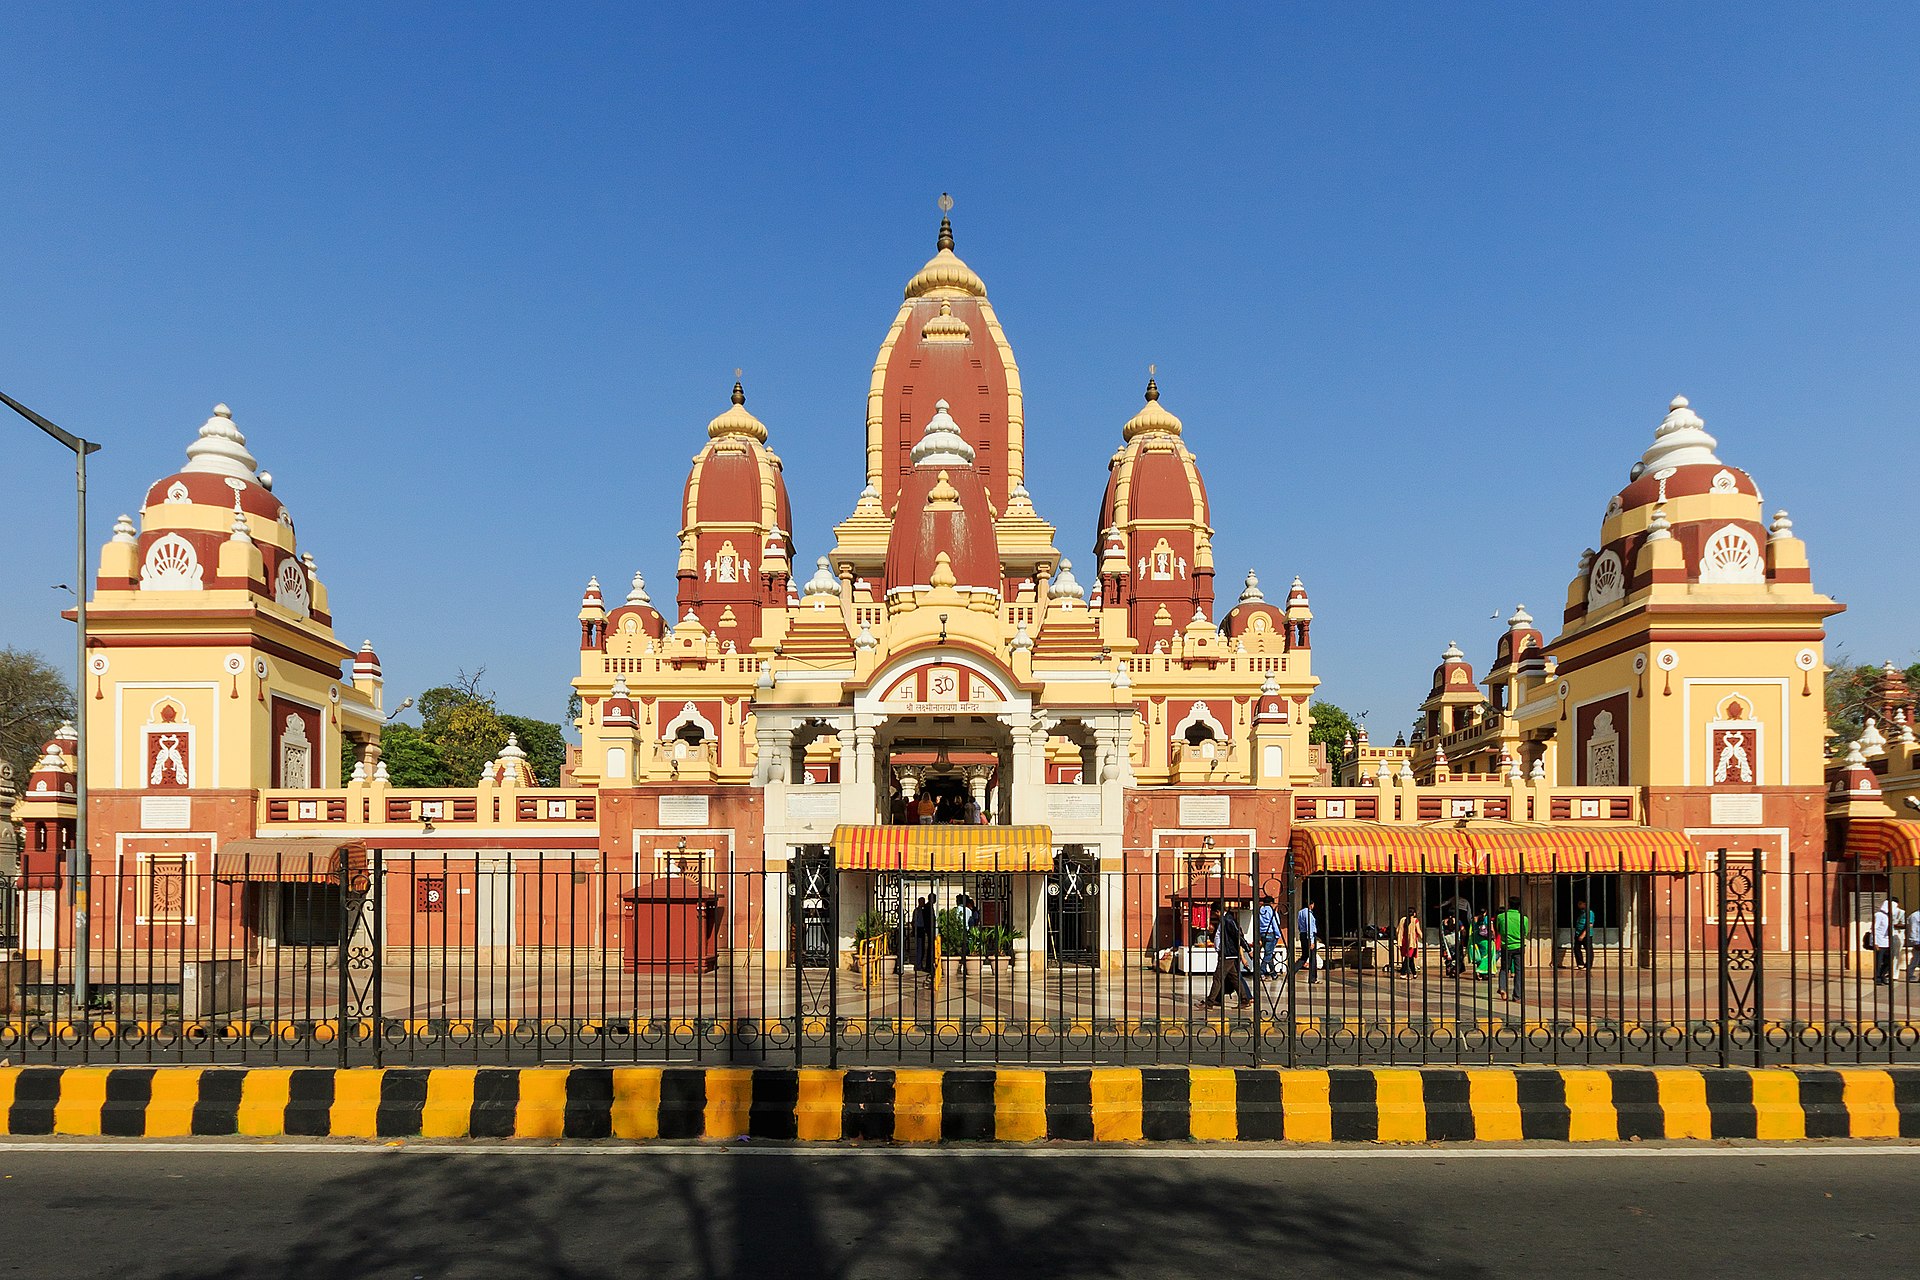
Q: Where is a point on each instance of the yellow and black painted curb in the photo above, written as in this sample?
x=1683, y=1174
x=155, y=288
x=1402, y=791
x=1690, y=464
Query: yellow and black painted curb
x=1099, y=1104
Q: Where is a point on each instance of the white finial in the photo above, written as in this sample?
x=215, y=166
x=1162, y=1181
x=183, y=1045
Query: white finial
x=823, y=582
x=359, y=771
x=1406, y=768
x=1658, y=530
x=620, y=689
x=1781, y=527
x=1872, y=741
x=1681, y=440
x=941, y=444
x=1252, y=594
x=123, y=529
x=240, y=533
x=865, y=639
x=1121, y=680
x=1539, y=771
x=1066, y=587
x=1021, y=640
x=512, y=750
x=1453, y=653
x=380, y=772
x=1269, y=687
x=221, y=450
x=1521, y=619
x=1856, y=758
x=637, y=594
x=1386, y=770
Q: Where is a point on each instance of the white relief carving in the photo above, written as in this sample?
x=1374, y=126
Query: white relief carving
x=1723, y=482
x=1603, y=752
x=1732, y=555
x=290, y=587
x=1607, y=581
x=296, y=754
x=177, y=493
x=171, y=565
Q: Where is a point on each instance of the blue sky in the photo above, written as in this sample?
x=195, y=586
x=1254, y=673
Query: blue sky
x=1420, y=279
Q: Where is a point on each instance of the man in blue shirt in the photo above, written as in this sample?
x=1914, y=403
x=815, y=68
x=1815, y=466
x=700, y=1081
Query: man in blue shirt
x=1268, y=928
x=1308, y=930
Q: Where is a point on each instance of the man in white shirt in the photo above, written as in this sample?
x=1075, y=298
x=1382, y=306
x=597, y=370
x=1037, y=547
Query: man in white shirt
x=1889, y=927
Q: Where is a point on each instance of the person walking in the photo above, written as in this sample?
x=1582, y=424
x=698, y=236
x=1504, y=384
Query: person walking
x=1267, y=926
x=1452, y=929
x=1230, y=947
x=1411, y=935
x=923, y=939
x=1513, y=929
x=1307, y=929
x=1582, y=935
x=969, y=921
x=1483, y=945
x=1889, y=929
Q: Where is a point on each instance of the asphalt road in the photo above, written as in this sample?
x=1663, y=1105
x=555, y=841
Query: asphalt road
x=313, y=1211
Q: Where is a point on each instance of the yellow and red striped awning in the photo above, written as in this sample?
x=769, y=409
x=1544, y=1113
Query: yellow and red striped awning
x=1882, y=843
x=1517, y=848
x=1377, y=846
x=1481, y=848
x=950, y=847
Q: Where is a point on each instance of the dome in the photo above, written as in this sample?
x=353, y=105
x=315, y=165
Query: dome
x=736, y=421
x=1153, y=417
x=219, y=471
x=945, y=275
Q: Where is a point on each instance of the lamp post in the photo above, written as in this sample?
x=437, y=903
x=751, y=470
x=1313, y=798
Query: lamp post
x=78, y=864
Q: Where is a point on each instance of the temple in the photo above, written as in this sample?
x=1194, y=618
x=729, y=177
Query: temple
x=948, y=699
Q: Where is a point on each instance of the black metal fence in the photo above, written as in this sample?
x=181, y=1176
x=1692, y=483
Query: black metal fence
x=399, y=963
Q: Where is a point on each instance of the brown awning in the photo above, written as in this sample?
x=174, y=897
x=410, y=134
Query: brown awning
x=288, y=861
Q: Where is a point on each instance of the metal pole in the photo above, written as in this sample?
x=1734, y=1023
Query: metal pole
x=1720, y=915
x=80, y=863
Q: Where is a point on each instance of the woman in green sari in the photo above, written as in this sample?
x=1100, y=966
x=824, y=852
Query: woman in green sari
x=1483, y=945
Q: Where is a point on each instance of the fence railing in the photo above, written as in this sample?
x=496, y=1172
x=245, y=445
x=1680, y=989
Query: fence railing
x=396, y=962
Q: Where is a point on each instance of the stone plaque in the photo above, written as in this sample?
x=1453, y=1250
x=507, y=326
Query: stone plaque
x=1074, y=804
x=165, y=813
x=1206, y=811
x=684, y=811
x=1738, y=810
x=813, y=803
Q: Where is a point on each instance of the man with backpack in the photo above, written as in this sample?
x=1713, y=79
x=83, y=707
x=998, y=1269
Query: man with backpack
x=1513, y=929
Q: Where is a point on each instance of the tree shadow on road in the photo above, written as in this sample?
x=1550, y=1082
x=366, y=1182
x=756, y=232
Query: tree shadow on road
x=736, y=1212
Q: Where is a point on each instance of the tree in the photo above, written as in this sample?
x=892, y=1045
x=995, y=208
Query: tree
x=545, y=745
x=413, y=760
x=34, y=699
x=1332, y=726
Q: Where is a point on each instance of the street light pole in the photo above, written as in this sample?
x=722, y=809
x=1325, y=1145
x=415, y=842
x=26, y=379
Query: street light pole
x=78, y=865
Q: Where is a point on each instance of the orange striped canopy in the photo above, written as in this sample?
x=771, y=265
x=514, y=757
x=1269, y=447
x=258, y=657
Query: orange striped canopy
x=1487, y=848
x=1890, y=842
x=1377, y=846
x=948, y=847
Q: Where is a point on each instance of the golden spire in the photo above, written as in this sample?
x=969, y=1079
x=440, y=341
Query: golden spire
x=945, y=276
x=736, y=421
x=1152, y=418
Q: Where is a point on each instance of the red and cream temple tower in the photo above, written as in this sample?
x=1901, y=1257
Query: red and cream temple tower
x=1103, y=710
